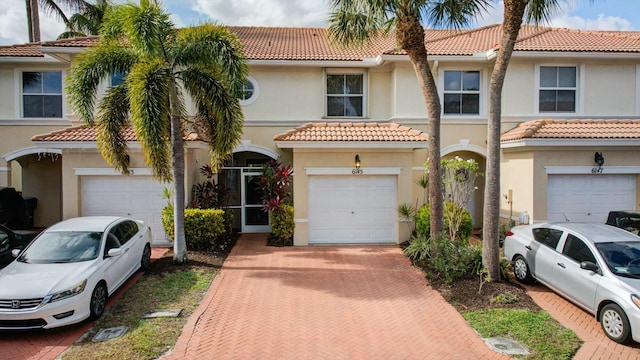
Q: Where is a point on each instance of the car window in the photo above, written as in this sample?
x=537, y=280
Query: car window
x=622, y=258
x=62, y=247
x=129, y=229
x=546, y=236
x=577, y=250
x=112, y=242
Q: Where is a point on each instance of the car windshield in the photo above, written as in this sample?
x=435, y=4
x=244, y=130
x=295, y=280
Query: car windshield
x=623, y=258
x=62, y=247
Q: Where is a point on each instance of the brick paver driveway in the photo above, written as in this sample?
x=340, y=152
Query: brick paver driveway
x=358, y=302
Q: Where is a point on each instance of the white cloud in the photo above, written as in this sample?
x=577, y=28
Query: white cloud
x=264, y=13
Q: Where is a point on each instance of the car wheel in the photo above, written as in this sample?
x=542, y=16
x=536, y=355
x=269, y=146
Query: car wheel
x=98, y=301
x=521, y=270
x=145, y=261
x=615, y=323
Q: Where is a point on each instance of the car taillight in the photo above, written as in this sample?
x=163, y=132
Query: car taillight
x=509, y=233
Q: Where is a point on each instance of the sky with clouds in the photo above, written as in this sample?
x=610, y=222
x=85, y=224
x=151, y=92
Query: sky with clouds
x=574, y=14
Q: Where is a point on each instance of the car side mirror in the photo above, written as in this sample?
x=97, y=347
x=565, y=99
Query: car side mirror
x=588, y=265
x=16, y=252
x=114, y=252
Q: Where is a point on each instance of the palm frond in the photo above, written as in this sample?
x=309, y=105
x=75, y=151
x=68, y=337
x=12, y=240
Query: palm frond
x=219, y=113
x=212, y=45
x=356, y=22
x=147, y=27
x=113, y=117
x=540, y=11
x=454, y=14
x=89, y=69
x=149, y=84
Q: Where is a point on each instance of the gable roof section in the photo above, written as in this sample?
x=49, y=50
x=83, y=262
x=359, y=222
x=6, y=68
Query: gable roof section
x=574, y=129
x=360, y=134
x=285, y=43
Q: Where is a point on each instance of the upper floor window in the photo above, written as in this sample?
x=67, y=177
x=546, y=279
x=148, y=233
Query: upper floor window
x=558, y=88
x=249, y=92
x=42, y=94
x=462, y=92
x=345, y=95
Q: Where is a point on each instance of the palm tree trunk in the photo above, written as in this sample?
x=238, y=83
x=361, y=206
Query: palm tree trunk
x=177, y=147
x=513, y=12
x=411, y=38
x=33, y=20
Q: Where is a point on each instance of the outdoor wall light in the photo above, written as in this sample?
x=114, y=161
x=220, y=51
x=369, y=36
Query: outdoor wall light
x=599, y=159
x=357, y=170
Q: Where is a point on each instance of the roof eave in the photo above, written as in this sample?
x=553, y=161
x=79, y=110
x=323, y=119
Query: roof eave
x=521, y=143
x=575, y=54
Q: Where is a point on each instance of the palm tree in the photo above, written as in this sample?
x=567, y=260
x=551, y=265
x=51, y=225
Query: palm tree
x=160, y=64
x=87, y=22
x=51, y=7
x=536, y=12
x=356, y=22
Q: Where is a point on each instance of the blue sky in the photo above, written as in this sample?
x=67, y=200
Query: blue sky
x=575, y=14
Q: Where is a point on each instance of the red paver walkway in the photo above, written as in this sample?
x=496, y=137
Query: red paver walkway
x=325, y=303
x=49, y=344
x=596, y=344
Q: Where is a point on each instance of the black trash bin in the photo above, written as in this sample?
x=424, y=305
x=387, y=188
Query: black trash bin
x=32, y=203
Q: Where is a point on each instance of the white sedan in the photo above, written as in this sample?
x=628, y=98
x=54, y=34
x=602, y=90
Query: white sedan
x=595, y=266
x=67, y=273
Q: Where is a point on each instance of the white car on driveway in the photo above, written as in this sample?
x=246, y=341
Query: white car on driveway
x=67, y=273
x=596, y=266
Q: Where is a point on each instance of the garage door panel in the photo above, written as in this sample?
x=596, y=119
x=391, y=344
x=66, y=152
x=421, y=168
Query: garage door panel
x=139, y=197
x=352, y=209
x=588, y=197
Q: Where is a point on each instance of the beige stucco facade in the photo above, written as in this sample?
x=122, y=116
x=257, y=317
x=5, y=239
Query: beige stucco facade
x=289, y=94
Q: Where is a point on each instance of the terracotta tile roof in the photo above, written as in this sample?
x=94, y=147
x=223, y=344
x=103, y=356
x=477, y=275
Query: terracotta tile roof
x=87, y=133
x=283, y=43
x=575, y=129
x=582, y=41
x=26, y=50
x=360, y=132
x=73, y=42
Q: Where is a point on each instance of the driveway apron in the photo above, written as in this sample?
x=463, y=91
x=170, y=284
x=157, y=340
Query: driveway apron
x=329, y=302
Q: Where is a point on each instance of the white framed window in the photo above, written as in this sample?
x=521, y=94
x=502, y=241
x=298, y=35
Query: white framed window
x=461, y=92
x=345, y=93
x=557, y=89
x=250, y=91
x=41, y=93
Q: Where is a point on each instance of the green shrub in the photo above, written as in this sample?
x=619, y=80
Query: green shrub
x=282, y=224
x=419, y=248
x=203, y=228
x=448, y=260
x=423, y=222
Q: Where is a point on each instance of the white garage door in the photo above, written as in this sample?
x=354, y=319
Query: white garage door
x=588, y=197
x=139, y=197
x=352, y=209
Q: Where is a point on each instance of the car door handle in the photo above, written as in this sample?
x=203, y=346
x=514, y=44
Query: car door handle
x=528, y=247
x=562, y=265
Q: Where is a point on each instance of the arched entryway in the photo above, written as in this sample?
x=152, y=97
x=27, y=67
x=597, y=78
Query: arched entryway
x=477, y=200
x=241, y=175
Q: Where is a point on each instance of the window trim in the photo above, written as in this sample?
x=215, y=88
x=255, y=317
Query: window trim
x=256, y=92
x=19, y=99
x=579, y=106
x=484, y=89
x=365, y=90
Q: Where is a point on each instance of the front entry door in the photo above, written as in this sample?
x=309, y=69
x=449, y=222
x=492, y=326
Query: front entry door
x=254, y=218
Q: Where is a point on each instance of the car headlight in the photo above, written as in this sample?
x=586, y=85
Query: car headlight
x=72, y=291
x=636, y=300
